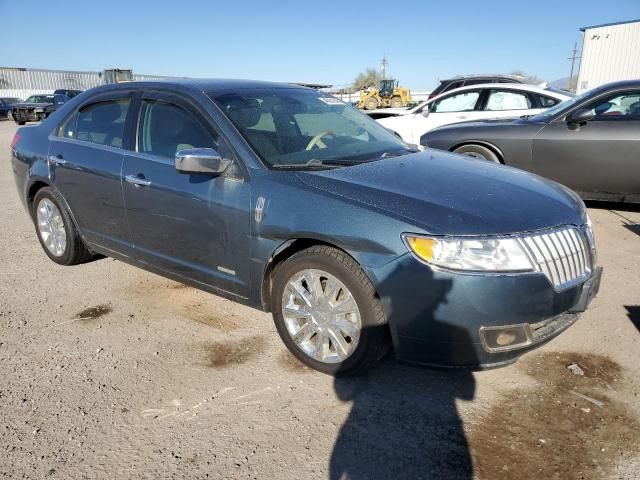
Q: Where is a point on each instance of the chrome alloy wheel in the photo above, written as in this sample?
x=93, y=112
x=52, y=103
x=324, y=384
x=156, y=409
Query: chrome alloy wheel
x=321, y=316
x=475, y=155
x=51, y=227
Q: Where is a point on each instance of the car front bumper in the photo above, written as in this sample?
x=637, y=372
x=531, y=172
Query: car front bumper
x=469, y=320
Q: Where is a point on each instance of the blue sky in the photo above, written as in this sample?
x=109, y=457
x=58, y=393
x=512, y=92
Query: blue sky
x=325, y=42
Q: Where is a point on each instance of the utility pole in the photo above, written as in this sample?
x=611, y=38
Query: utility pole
x=573, y=59
x=385, y=62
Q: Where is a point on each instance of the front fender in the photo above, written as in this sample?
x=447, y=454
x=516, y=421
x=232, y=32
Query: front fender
x=371, y=238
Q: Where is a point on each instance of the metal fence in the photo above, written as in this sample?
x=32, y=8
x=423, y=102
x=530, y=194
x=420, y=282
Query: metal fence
x=22, y=82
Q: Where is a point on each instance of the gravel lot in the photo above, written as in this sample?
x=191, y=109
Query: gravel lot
x=111, y=372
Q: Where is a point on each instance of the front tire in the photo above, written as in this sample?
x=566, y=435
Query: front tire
x=478, y=151
x=371, y=104
x=57, y=233
x=327, y=313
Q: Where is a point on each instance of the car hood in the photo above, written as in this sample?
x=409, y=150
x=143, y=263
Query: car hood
x=449, y=194
x=31, y=105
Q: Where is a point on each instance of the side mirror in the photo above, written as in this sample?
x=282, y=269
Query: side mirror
x=200, y=160
x=425, y=111
x=581, y=116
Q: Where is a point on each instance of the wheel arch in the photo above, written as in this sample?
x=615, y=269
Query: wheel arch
x=482, y=143
x=37, y=185
x=32, y=190
x=285, y=251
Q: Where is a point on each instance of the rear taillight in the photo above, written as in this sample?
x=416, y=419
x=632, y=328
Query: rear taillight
x=16, y=139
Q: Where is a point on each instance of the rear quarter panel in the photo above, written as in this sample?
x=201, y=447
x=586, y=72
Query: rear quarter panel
x=29, y=160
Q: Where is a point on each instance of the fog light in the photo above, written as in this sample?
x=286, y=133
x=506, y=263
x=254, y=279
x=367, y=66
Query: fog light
x=504, y=338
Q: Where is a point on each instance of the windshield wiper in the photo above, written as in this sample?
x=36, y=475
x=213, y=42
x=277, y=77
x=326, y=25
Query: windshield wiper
x=311, y=164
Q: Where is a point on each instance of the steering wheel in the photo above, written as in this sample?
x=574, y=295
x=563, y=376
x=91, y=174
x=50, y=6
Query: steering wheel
x=317, y=140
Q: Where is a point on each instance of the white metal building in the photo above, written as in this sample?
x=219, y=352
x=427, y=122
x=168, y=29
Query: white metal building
x=22, y=82
x=610, y=52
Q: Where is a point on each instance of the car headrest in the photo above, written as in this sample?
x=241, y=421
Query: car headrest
x=634, y=109
x=603, y=107
x=244, y=112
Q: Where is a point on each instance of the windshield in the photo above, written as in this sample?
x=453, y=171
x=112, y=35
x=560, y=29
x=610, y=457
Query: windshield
x=40, y=99
x=306, y=128
x=560, y=107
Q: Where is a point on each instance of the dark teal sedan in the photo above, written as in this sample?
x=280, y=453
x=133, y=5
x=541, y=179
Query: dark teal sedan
x=285, y=199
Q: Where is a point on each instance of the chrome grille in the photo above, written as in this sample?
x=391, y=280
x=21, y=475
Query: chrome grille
x=564, y=255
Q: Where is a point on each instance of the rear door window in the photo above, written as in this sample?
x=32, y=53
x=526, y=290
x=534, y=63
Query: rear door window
x=507, y=100
x=101, y=123
x=544, y=101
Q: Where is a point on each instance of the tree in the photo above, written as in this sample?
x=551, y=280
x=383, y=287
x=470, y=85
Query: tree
x=370, y=76
x=528, y=78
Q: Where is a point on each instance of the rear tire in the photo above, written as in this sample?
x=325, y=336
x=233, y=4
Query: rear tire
x=478, y=151
x=72, y=250
x=396, y=102
x=366, y=346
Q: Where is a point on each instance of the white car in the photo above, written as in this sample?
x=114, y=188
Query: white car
x=475, y=102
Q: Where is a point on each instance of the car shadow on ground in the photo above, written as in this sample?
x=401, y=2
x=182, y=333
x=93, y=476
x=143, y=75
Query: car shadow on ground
x=619, y=206
x=620, y=209
x=404, y=422
x=633, y=312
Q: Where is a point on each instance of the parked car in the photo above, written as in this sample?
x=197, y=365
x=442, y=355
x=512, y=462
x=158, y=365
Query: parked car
x=590, y=143
x=5, y=106
x=468, y=80
x=68, y=93
x=475, y=102
x=37, y=107
x=447, y=86
x=285, y=199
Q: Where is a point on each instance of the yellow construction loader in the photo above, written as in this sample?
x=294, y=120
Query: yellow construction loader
x=389, y=94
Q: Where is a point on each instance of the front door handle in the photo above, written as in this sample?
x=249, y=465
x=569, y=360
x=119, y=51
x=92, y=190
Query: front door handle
x=57, y=159
x=138, y=180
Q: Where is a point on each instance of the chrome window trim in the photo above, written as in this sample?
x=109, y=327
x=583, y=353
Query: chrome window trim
x=73, y=141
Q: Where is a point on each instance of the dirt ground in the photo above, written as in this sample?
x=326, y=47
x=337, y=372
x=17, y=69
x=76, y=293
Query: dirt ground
x=107, y=371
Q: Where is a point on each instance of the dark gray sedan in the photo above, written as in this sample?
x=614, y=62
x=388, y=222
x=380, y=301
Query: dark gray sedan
x=287, y=200
x=591, y=143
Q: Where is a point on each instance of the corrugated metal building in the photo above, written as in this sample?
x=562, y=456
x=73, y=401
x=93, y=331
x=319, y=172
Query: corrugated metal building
x=22, y=82
x=610, y=52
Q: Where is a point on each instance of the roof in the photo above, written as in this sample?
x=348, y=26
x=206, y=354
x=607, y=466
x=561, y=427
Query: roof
x=208, y=85
x=483, y=75
x=610, y=24
x=507, y=86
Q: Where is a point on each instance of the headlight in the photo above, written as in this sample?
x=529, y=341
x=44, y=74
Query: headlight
x=470, y=254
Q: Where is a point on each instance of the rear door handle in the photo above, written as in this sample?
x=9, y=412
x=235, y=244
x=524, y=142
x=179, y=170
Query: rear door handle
x=138, y=180
x=57, y=159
